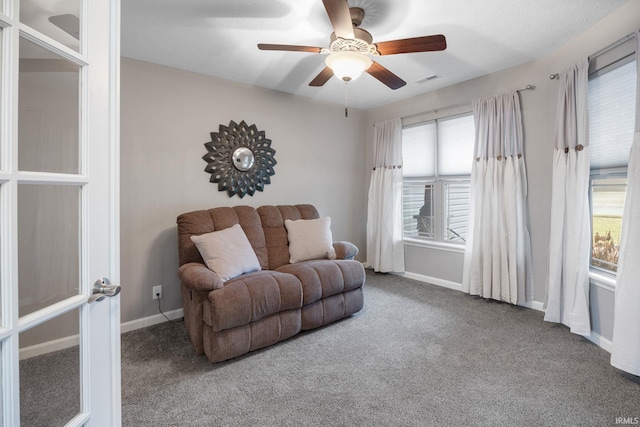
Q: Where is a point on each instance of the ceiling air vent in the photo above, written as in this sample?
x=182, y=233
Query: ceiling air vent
x=429, y=78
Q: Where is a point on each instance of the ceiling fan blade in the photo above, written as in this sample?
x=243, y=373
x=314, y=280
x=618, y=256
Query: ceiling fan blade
x=340, y=17
x=322, y=78
x=385, y=76
x=289, y=47
x=68, y=23
x=416, y=44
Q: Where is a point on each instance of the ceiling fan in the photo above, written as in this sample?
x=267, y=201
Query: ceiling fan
x=351, y=48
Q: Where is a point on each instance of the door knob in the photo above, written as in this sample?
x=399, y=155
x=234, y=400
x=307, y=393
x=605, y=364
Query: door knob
x=103, y=288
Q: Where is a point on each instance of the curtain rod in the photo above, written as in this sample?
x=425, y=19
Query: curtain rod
x=462, y=104
x=435, y=110
x=603, y=50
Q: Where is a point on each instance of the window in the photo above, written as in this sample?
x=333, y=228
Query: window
x=612, y=101
x=437, y=158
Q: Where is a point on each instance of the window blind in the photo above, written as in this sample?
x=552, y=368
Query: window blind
x=417, y=208
x=455, y=148
x=457, y=210
x=418, y=150
x=612, y=116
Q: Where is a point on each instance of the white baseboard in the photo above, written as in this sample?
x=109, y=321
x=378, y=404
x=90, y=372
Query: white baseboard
x=150, y=321
x=595, y=338
x=600, y=341
x=49, y=346
x=534, y=305
x=432, y=280
x=67, y=342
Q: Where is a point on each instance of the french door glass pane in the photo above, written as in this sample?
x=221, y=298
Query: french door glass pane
x=48, y=116
x=2, y=347
x=48, y=245
x=2, y=284
x=1, y=67
x=55, y=19
x=50, y=383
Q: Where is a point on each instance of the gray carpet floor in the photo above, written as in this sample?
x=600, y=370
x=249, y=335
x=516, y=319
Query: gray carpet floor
x=416, y=355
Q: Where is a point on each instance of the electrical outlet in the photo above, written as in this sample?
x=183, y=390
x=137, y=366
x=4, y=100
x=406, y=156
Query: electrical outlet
x=157, y=292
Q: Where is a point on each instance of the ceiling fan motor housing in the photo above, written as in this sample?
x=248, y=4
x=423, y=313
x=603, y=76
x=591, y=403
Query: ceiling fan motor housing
x=360, y=43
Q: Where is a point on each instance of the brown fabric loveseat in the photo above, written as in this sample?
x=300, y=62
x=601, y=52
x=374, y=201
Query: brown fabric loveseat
x=261, y=308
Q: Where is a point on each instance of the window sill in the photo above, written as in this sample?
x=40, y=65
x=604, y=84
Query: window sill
x=435, y=244
x=602, y=280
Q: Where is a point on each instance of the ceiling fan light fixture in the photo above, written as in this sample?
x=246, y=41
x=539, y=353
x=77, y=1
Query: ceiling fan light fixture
x=348, y=65
x=351, y=48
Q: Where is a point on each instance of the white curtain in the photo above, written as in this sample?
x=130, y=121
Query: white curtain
x=497, y=262
x=385, y=248
x=625, y=353
x=570, y=240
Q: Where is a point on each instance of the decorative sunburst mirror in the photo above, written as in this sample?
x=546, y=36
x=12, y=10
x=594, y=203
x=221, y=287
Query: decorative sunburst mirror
x=240, y=159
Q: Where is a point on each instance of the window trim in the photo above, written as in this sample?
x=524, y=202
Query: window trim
x=605, y=281
x=435, y=244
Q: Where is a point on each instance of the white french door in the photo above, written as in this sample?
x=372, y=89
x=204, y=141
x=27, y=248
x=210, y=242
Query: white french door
x=59, y=224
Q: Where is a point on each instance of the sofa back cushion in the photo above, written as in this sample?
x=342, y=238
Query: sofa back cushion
x=207, y=221
x=275, y=233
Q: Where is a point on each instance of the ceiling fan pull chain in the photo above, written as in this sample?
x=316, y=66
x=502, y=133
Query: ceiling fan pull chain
x=346, y=99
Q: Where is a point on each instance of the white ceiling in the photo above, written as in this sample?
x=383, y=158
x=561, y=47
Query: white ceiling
x=219, y=38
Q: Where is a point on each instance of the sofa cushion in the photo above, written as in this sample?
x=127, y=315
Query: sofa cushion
x=206, y=221
x=310, y=239
x=237, y=341
x=324, y=278
x=251, y=297
x=227, y=252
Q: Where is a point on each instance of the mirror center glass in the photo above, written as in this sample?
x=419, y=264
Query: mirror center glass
x=243, y=159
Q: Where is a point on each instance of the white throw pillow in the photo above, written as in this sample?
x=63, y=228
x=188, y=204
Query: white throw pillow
x=310, y=239
x=227, y=252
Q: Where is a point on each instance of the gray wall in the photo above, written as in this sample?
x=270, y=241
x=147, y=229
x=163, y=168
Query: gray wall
x=538, y=108
x=167, y=115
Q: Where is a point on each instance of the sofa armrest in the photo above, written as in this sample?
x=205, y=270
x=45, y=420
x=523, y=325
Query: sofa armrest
x=345, y=250
x=195, y=275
